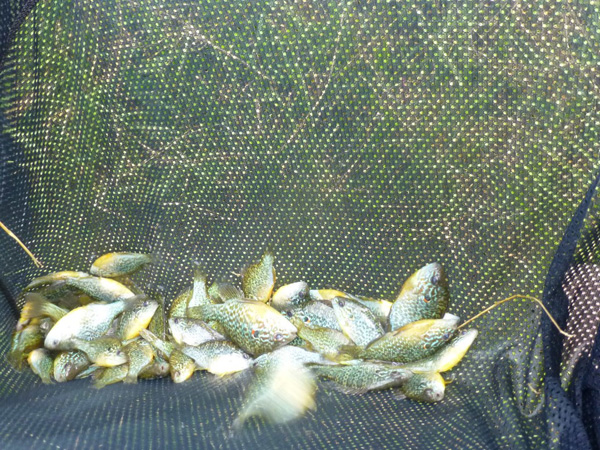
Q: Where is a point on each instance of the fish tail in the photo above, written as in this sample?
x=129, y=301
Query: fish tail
x=16, y=359
x=37, y=306
x=131, y=302
x=199, y=276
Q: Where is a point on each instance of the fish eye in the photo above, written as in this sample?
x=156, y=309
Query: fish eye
x=278, y=337
x=255, y=333
x=446, y=336
x=146, y=303
x=289, y=313
x=435, y=278
x=176, y=320
x=119, y=352
x=306, y=319
x=340, y=302
x=177, y=373
x=55, y=341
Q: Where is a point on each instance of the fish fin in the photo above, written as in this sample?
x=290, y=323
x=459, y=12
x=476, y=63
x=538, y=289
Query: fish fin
x=398, y=394
x=16, y=360
x=228, y=291
x=199, y=275
x=348, y=391
x=37, y=306
x=132, y=302
x=130, y=379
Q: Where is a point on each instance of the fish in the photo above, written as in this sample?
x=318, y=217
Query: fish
x=110, y=375
x=290, y=296
x=37, y=305
x=358, y=377
x=326, y=341
x=86, y=322
x=218, y=357
x=40, y=362
x=103, y=352
x=45, y=325
x=254, y=326
x=281, y=390
x=446, y=357
x=23, y=342
x=294, y=354
x=157, y=324
x=259, y=279
x=199, y=292
x=102, y=289
x=357, y=321
x=179, y=306
x=192, y=331
x=67, y=365
x=222, y=291
x=133, y=320
x=119, y=264
x=424, y=295
x=158, y=369
x=140, y=355
x=412, y=342
x=182, y=367
x=313, y=314
x=424, y=387
x=53, y=278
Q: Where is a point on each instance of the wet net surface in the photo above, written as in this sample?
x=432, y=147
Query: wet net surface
x=359, y=141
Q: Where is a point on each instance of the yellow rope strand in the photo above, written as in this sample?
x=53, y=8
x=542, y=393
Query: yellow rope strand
x=12, y=235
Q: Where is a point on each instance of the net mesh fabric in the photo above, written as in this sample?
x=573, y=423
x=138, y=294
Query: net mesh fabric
x=358, y=140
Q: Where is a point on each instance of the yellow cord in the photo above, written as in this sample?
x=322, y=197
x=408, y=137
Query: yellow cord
x=12, y=235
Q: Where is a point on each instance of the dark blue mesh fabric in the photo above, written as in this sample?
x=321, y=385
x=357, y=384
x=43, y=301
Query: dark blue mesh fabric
x=359, y=141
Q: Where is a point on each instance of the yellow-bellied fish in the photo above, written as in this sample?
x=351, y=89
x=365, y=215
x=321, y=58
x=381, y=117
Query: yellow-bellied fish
x=313, y=314
x=192, y=331
x=424, y=387
x=37, y=305
x=218, y=357
x=222, y=291
x=67, y=365
x=254, y=326
x=290, y=296
x=23, y=342
x=104, y=352
x=424, y=295
x=199, y=291
x=446, y=357
x=326, y=341
x=133, y=320
x=110, y=375
x=181, y=366
x=259, y=279
x=179, y=306
x=40, y=362
x=140, y=355
x=412, y=342
x=158, y=369
x=53, y=278
x=100, y=288
x=86, y=322
x=119, y=264
x=357, y=321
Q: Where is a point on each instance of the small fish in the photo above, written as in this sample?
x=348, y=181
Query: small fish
x=290, y=296
x=314, y=314
x=424, y=387
x=424, y=295
x=133, y=320
x=192, y=331
x=259, y=279
x=182, y=367
x=119, y=264
x=222, y=291
x=356, y=321
x=358, y=377
x=158, y=369
x=179, y=306
x=104, y=352
x=254, y=326
x=380, y=308
x=218, y=357
x=412, y=342
x=140, y=355
x=40, y=362
x=326, y=341
x=86, y=322
x=67, y=365
x=199, y=292
x=53, y=278
x=325, y=294
x=446, y=357
x=103, y=289
x=37, y=305
x=110, y=375
x=23, y=342
x=282, y=390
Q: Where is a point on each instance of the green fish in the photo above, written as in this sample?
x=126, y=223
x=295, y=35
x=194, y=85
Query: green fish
x=192, y=331
x=158, y=369
x=446, y=357
x=282, y=390
x=86, y=322
x=424, y=387
x=313, y=314
x=133, y=320
x=222, y=291
x=140, y=355
x=412, y=342
x=182, y=367
x=104, y=352
x=290, y=296
x=53, y=278
x=326, y=341
x=67, y=365
x=199, y=292
x=110, y=375
x=218, y=357
x=103, y=289
x=37, y=305
x=356, y=321
x=259, y=279
x=358, y=377
x=157, y=324
x=424, y=295
x=179, y=306
x=254, y=326
x=90, y=371
x=40, y=362
x=23, y=342
x=119, y=264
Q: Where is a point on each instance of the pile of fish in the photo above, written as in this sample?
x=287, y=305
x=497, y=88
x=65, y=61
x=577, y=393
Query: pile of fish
x=101, y=325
